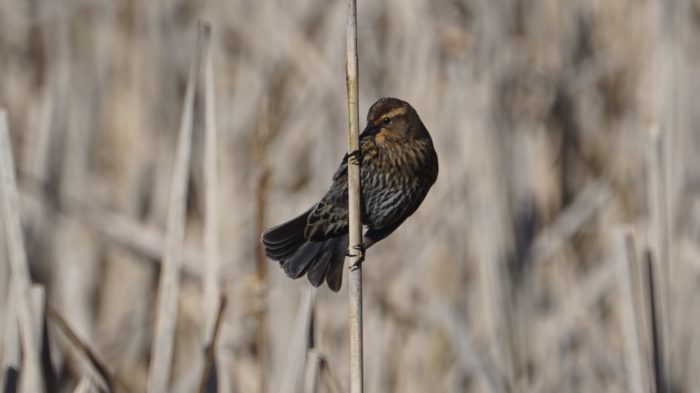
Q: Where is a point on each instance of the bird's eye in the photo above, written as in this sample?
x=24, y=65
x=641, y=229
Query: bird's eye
x=386, y=120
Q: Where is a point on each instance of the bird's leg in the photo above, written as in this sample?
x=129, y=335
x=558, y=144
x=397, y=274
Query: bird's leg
x=360, y=248
x=354, y=157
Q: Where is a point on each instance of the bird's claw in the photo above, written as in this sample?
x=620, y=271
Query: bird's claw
x=360, y=248
x=354, y=157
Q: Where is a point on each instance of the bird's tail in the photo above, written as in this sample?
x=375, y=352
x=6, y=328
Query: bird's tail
x=318, y=259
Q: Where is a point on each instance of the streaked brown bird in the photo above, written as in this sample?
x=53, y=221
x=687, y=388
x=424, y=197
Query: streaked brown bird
x=398, y=165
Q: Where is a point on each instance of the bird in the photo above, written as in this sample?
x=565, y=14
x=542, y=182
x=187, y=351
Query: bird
x=398, y=166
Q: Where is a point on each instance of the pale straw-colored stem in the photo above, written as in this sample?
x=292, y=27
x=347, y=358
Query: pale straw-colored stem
x=355, y=226
x=169, y=285
x=19, y=267
x=211, y=214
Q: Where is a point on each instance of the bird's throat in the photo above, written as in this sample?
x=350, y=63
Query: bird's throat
x=385, y=135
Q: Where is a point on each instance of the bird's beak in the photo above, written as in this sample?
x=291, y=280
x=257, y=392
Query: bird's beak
x=371, y=129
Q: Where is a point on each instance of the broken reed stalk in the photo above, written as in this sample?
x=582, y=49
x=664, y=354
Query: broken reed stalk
x=98, y=367
x=319, y=369
x=169, y=284
x=19, y=267
x=210, y=350
x=355, y=226
x=313, y=365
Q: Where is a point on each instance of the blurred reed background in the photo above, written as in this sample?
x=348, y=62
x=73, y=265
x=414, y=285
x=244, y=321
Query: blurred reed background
x=569, y=145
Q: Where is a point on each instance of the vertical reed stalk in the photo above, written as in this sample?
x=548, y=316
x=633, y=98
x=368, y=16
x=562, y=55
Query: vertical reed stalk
x=659, y=234
x=658, y=359
x=355, y=226
x=211, y=187
x=10, y=350
x=169, y=286
x=297, y=349
x=261, y=262
x=19, y=268
x=628, y=270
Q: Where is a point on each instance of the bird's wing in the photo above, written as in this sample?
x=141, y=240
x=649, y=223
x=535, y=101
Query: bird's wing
x=329, y=218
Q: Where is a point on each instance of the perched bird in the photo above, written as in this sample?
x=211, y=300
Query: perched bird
x=398, y=165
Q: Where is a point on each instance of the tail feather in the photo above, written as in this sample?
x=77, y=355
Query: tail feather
x=302, y=259
x=334, y=276
x=285, y=250
x=282, y=232
x=282, y=241
x=319, y=268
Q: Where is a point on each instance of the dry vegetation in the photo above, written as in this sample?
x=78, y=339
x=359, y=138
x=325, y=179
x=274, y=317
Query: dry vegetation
x=561, y=126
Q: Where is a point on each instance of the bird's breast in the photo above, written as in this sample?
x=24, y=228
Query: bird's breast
x=393, y=161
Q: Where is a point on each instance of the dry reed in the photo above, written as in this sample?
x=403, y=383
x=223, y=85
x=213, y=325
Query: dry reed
x=29, y=325
x=354, y=224
x=169, y=283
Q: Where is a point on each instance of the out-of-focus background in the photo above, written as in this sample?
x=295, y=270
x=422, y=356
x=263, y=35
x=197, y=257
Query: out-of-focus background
x=569, y=145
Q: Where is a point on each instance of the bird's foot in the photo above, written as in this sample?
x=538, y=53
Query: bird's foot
x=354, y=157
x=360, y=255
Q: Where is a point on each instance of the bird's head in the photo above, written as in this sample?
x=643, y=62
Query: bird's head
x=394, y=119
